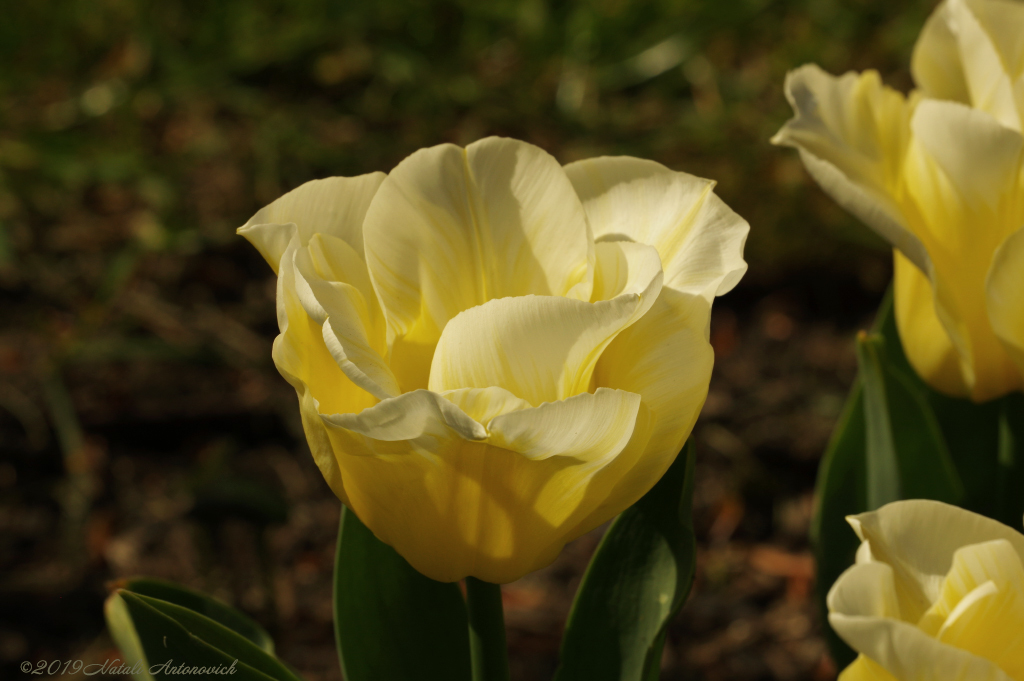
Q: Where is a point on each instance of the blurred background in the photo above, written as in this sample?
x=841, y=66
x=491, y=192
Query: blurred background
x=143, y=427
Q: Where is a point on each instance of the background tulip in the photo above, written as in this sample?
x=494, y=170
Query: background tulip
x=940, y=175
x=494, y=354
x=937, y=593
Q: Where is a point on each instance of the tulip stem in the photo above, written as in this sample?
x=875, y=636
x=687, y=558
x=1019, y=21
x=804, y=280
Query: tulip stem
x=486, y=631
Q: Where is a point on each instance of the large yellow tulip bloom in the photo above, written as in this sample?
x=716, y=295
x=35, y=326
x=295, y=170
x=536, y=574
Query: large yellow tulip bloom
x=937, y=594
x=940, y=174
x=495, y=354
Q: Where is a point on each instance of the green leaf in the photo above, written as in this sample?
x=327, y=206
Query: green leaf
x=202, y=604
x=160, y=638
x=841, y=491
x=883, y=469
x=391, y=622
x=636, y=582
x=1011, y=461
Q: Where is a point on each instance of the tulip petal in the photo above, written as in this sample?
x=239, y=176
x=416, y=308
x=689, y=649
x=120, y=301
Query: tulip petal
x=963, y=168
x=852, y=134
x=918, y=539
x=1005, y=298
x=992, y=55
x=334, y=206
x=980, y=156
x=454, y=505
x=936, y=64
x=981, y=606
x=666, y=358
x=451, y=229
x=304, y=360
x=544, y=348
x=927, y=344
x=865, y=669
x=699, y=238
x=334, y=289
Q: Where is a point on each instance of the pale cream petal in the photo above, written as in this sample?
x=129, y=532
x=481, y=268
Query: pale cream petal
x=981, y=606
x=304, y=361
x=334, y=206
x=988, y=34
x=451, y=229
x=865, y=610
x=666, y=358
x=936, y=60
x=852, y=133
x=699, y=238
x=454, y=506
x=918, y=539
x=1004, y=289
x=925, y=341
x=865, y=669
x=353, y=326
x=544, y=348
x=981, y=157
x=963, y=174
x=906, y=652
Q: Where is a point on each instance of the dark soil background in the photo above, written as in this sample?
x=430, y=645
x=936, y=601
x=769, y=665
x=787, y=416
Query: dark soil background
x=143, y=427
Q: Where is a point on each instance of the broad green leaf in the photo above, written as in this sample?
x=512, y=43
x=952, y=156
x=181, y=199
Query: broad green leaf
x=637, y=580
x=162, y=639
x=202, y=604
x=391, y=622
x=1011, y=461
x=841, y=491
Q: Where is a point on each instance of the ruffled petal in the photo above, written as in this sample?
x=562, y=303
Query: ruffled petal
x=334, y=206
x=1004, y=288
x=451, y=229
x=303, y=359
x=981, y=605
x=666, y=358
x=918, y=539
x=864, y=611
x=699, y=238
x=333, y=287
x=852, y=133
x=544, y=348
x=454, y=500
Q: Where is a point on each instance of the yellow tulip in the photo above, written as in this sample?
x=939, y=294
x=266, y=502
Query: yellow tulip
x=940, y=175
x=494, y=353
x=937, y=594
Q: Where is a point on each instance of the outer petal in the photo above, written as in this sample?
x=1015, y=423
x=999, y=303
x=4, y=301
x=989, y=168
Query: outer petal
x=544, y=348
x=918, y=539
x=455, y=506
x=963, y=174
x=334, y=206
x=699, y=238
x=451, y=229
x=865, y=669
x=334, y=289
x=992, y=53
x=304, y=361
x=666, y=359
x=852, y=134
x=864, y=611
x=936, y=61
x=1004, y=289
x=981, y=606
x=925, y=340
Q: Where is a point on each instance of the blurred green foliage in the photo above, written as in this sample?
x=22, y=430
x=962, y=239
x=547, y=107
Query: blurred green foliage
x=133, y=127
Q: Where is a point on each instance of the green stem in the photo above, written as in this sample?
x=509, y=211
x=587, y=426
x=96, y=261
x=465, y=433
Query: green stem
x=486, y=631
